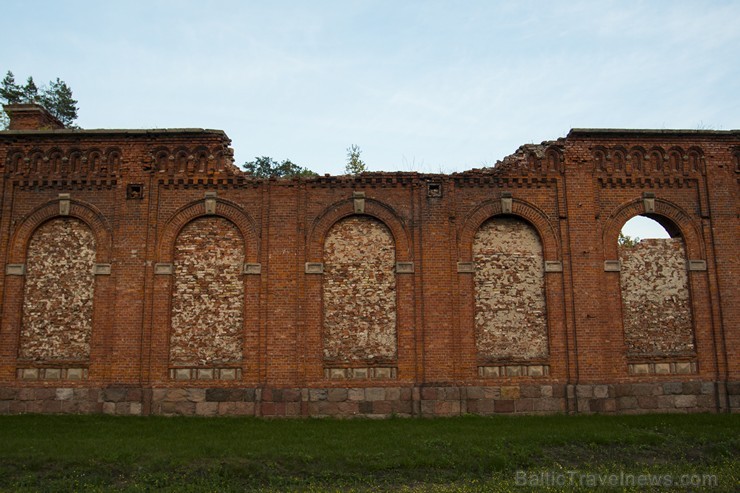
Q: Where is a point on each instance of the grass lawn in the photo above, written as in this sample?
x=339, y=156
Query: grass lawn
x=104, y=453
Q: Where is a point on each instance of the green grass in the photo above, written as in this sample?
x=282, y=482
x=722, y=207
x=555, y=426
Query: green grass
x=102, y=453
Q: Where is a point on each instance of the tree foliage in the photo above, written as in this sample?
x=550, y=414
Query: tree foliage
x=627, y=241
x=56, y=97
x=355, y=165
x=266, y=167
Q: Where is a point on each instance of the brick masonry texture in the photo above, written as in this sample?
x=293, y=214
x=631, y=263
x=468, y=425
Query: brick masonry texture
x=124, y=289
x=359, y=292
x=655, y=298
x=58, y=299
x=509, y=291
x=208, y=298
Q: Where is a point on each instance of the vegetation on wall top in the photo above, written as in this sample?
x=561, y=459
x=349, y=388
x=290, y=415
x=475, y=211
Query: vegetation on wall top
x=56, y=97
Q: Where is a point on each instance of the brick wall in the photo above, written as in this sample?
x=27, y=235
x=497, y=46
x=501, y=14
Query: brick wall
x=144, y=273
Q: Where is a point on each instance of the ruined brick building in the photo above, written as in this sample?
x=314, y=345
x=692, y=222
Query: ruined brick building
x=144, y=273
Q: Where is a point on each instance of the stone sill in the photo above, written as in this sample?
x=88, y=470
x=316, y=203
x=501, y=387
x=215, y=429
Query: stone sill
x=192, y=373
x=661, y=358
x=663, y=368
x=513, y=370
x=362, y=373
x=51, y=373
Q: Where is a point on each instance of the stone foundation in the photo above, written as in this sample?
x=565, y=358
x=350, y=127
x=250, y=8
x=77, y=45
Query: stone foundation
x=376, y=402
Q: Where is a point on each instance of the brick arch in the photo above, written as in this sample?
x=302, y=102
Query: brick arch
x=14, y=161
x=159, y=157
x=55, y=156
x=655, y=160
x=523, y=210
x=554, y=159
x=180, y=160
x=225, y=209
x=87, y=213
x=675, y=159
x=35, y=161
x=663, y=209
x=345, y=208
x=618, y=158
x=697, y=160
x=600, y=157
x=636, y=159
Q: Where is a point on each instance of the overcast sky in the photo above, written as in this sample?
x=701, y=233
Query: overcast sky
x=419, y=85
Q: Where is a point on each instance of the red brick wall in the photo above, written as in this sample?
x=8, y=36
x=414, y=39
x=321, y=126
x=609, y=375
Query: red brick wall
x=209, y=295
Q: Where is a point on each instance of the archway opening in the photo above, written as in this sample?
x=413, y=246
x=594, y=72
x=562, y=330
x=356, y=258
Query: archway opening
x=656, y=308
x=648, y=226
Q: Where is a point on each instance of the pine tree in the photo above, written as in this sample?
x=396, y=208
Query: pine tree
x=355, y=165
x=10, y=91
x=56, y=98
x=31, y=92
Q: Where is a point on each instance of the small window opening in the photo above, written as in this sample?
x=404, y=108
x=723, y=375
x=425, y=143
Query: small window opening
x=434, y=190
x=135, y=191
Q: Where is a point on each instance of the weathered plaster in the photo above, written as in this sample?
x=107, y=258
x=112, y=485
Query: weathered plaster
x=58, y=297
x=655, y=298
x=359, y=292
x=510, y=317
x=208, y=298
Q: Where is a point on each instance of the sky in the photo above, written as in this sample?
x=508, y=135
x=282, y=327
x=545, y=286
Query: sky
x=429, y=86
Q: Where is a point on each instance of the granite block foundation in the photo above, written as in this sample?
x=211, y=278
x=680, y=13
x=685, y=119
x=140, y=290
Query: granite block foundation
x=146, y=274
x=381, y=402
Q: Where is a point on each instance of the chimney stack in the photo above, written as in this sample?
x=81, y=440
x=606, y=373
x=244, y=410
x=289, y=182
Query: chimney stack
x=31, y=117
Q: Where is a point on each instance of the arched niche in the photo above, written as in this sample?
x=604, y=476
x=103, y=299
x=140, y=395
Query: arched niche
x=207, y=314
x=58, y=292
x=359, y=293
x=509, y=284
x=655, y=292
